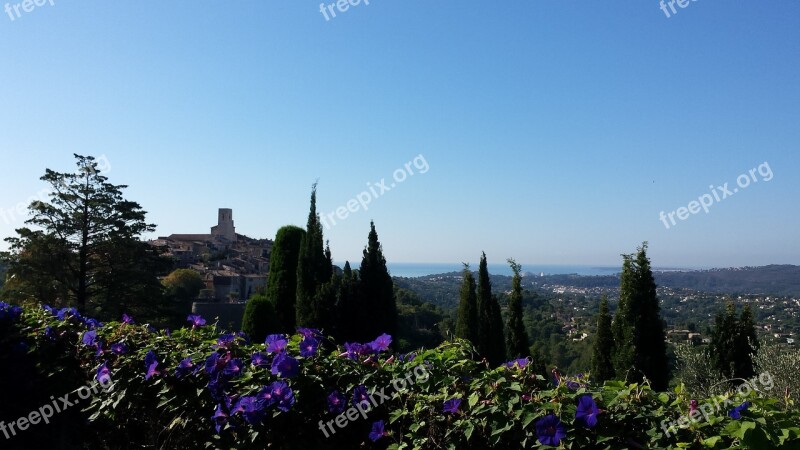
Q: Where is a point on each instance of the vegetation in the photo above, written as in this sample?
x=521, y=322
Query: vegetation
x=491, y=336
x=602, y=359
x=639, y=339
x=516, y=337
x=197, y=388
x=314, y=268
x=282, y=279
x=733, y=342
x=467, y=322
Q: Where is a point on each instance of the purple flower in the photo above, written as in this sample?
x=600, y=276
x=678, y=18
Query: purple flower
x=151, y=363
x=587, y=411
x=550, y=430
x=360, y=395
x=67, y=313
x=185, y=367
x=355, y=350
x=381, y=343
x=216, y=386
x=89, y=338
x=518, y=363
x=309, y=333
x=308, y=347
x=219, y=418
x=244, y=337
x=103, y=374
x=50, y=333
x=275, y=343
x=251, y=409
x=215, y=362
x=282, y=394
x=196, y=320
x=233, y=368
x=127, y=319
x=285, y=366
x=336, y=402
x=259, y=359
x=736, y=413
x=119, y=348
x=92, y=323
x=225, y=340
x=452, y=405
x=377, y=431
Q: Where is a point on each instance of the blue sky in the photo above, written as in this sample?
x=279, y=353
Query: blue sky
x=554, y=132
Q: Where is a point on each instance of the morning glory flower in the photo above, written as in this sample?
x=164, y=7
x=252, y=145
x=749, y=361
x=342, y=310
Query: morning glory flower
x=119, y=348
x=225, y=340
x=285, y=366
x=258, y=359
x=355, y=350
x=517, y=363
x=452, y=405
x=736, y=413
x=196, y=320
x=215, y=362
x=89, y=338
x=282, y=394
x=233, y=368
x=185, y=367
x=336, y=402
x=66, y=313
x=381, y=343
x=550, y=430
x=360, y=395
x=127, y=319
x=275, y=343
x=308, y=347
x=309, y=333
x=219, y=418
x=151, y=363
x=378, y=431
x=251, y=409
x=587, y=411
x=92, y=323
x=103, y=374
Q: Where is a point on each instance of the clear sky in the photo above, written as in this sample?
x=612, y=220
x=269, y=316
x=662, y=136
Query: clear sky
x=554, y=132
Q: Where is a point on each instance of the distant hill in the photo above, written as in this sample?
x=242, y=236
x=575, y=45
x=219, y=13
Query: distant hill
x=767, y=280
x=778, y=280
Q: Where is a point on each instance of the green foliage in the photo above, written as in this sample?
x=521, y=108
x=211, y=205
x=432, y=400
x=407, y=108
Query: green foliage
x=639, y=338
x=376, y=292
x=418, y=323
x=733, y=342
x=259, y=317
x=491, y=337
x=314, y=268
x=603, y=349
x=516, y=338
x=282, y=280
x=467, y=320
x=183, y=284
x=500, y=407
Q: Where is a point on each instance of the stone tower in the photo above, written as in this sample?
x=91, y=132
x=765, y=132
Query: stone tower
x=224, y=229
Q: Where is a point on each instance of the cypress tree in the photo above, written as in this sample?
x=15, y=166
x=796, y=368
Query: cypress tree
x=491, y=344
x=638, y=329
x=733, y=342
x=376, y=293
x=282, y=281
x=348, y=316
x=467, y=320
x=517, y=337
x=313, y=269
x=602, y=364
x=746, y=344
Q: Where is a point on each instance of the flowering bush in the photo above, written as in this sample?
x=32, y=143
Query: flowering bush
x=198, y=388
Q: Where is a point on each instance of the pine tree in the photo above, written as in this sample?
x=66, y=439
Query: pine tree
x=639, y=337
x=376, y=293
x=517, y=337
x=313, y=270
x=602, y=364
x=467, y=320
x=491, y=340
x=282, y=280
x=348, y=316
